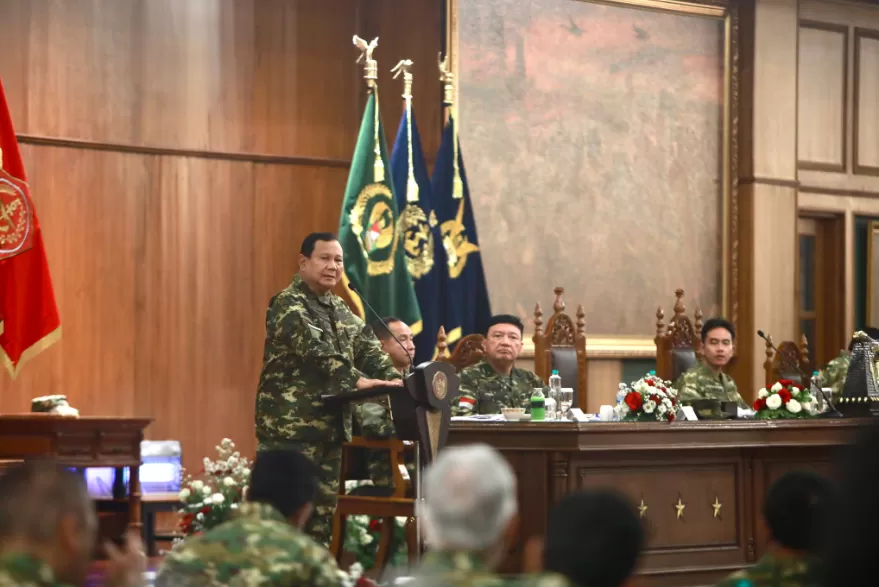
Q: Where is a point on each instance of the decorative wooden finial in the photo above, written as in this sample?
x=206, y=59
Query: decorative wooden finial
x=442, y=349
x=679, y=304
x=660, y=325
x=581, y=320
x=804, y=349
x=559, y=304
x=698, y=324
x=538, y=320
x=769, y=351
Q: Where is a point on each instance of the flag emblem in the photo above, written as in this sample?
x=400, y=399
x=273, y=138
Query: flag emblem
x=372, y=220
x=417, y=241
x=16, y=217
x=456, y=243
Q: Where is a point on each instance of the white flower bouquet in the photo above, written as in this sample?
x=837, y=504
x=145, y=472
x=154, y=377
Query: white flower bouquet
x=650, y=399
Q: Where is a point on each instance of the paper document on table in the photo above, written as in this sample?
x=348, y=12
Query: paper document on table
x=479, y=418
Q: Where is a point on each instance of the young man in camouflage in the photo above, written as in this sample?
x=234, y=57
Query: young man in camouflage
x=797, y=510
x=494, y=383
x=263, y=543
x=314, y=346
x=706, y=379
x=48, y=529
x=834, y=374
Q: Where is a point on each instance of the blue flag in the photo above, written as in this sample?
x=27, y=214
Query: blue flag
x=466, y=309
x=419, y=232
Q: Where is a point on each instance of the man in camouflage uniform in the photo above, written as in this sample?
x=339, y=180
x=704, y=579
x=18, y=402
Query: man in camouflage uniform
x=834, y=374
x=593, y=537
x=263, y=543
x=468, y=535
x=48, y=529
x=796, y=509
x=494, y=383
x=315, y=346
x=706, y=379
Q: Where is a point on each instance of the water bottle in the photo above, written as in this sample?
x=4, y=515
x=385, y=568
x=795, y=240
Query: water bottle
x=538, y=405
x=555, y=387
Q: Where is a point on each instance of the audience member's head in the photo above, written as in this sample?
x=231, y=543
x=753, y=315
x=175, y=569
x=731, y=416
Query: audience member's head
x=796, y=510
x=285, y=480
x=593, y=538
x=403, y=333
x=869, y=331
x=470, y=502
x=503, y=340
x=851, y=543
x=718, y=342
x=320, y=261
x=46, y=512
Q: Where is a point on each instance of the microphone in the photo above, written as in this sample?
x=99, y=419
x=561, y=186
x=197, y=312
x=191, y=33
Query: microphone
x=834, y=413
x=385, y=324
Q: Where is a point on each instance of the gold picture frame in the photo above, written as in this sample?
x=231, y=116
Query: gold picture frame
x=610, y=346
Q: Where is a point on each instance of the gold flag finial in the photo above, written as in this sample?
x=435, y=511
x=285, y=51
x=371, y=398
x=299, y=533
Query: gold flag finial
x=404, y=67
x=370, y=68
x=448, y=79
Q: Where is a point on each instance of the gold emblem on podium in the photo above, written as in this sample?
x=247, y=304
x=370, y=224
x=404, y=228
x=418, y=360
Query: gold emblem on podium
x=440, y=385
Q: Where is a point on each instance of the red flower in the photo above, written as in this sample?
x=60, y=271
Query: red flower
x=634, y=401
x=205, y=509
x=786, y=382
x=655, y=399
x=671, y=417
x=784, y=395
x=651, y=383
x=375, y=525
x=759, y=404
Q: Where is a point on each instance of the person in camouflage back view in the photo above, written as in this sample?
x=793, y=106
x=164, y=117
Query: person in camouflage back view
x=263, y=542
x=797, y=511
x=834, y=374
x=495, y=383
x=706, y=379
x=315, y=346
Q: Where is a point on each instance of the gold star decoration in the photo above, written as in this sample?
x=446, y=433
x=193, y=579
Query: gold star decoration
x=680, y=507
x=642, y=509
x=716, y=505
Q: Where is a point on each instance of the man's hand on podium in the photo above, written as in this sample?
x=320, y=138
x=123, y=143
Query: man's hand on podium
x=364, y=383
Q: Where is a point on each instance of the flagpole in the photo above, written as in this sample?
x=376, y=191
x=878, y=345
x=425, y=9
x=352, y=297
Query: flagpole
x=370, y=74
x=448, y=79
x=404, y=67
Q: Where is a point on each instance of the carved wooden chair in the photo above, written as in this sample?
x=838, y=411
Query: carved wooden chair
x=562, y=346
x=468, y=351
x=788, y=362
x=678, y=345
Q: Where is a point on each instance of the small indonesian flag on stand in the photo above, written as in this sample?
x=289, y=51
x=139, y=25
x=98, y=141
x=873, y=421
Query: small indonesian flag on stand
x=466, y=402
x=29, y=320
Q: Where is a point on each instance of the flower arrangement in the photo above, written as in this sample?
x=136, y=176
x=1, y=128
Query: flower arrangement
x=785, y=400
x=209, y=497
x=362, y=536
x=646, y=400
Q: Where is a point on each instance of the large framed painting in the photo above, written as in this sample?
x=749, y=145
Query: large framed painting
x=601, y=151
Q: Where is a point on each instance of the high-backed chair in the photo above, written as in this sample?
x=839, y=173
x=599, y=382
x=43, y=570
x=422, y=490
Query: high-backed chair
x=468, y=351
x=788, y=362
x=678, y=345
x=562, y=346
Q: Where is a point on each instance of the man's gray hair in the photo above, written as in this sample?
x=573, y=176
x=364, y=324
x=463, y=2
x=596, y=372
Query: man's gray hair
x=469, y=498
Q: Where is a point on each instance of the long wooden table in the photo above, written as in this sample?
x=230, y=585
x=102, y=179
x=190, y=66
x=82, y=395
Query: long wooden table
x=80, y=442
x=699, y=485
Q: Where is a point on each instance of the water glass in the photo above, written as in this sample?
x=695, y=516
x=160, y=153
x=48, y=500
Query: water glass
x=565, y=400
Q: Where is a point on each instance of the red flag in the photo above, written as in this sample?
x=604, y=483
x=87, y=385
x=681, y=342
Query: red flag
x=29, y=321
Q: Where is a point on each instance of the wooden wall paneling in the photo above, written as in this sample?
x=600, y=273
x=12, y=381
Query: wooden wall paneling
x=866, y=102
x=604, y=377
x=822, y=96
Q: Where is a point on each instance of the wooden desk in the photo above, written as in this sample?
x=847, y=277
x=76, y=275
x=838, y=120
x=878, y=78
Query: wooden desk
x=80, y=442
x=696, y=464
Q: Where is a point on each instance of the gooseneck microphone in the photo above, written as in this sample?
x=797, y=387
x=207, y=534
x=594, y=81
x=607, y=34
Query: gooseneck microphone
x=385, y=324
x=833, y=413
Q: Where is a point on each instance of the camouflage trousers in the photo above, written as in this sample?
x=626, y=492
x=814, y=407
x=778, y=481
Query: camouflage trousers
x=327, y=458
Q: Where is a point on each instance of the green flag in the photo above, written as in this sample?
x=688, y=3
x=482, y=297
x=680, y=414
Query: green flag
x=375, y=262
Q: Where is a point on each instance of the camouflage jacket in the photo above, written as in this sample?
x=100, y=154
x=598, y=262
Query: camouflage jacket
x=314, y=345
x=700, y=382
x=456, y=569
x=834, y=374
x=256, y=547
x=773, y=571
x=22, y=570
x=485, y=391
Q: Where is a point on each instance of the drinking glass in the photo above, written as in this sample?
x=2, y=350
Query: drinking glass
x=566, y=399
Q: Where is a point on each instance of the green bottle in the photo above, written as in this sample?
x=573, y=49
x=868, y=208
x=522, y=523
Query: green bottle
x=538, y=405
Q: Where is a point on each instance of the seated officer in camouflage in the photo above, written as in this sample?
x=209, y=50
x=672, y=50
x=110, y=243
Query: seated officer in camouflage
x=796, y=511
x=315, y=346
x=375, y=418
x=706, y=379
x=263, y=543
x=593, y=538
x=469, y=515
x=48, y=529
x=494, y=383
x=834, y=374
